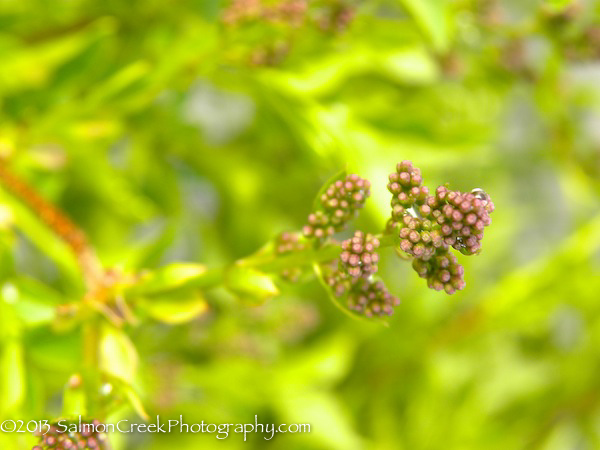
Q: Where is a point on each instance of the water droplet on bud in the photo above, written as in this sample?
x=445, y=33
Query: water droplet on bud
x=481, y=195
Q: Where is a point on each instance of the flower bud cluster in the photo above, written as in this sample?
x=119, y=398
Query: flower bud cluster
x=442, y=272
x=86, y=438
x=338, y=281
x=337, y=18
x=371, y=298
x=461, y=217
x=419, y=237
x=287, y=243
x=333, y=15
x=363, y=294
x=407, y=190
x=339, y=204
x=351, y=277
x=289, y=11
x=359, y=257
x=428, y=225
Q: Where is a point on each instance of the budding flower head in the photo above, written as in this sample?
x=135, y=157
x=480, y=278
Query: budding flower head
x=338, y=281
x=406, y=187
x=287, y=243
x=339, y=203
x=359, y=256
x=88, y=436
x=371, y=298
x=428, y=225
x=443, y=272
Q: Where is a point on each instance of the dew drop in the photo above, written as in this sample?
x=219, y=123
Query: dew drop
x=481, y=195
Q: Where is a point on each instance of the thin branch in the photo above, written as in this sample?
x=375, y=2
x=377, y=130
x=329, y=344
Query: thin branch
x=58, y=222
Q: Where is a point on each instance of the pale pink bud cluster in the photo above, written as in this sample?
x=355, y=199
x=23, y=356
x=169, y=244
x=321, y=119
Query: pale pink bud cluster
x=428, y=225
x=443, y=272
x=359, y=256
x=87, y=438
x=371, y=298
x=461, y=217
x=287, y=243
x=338, y=205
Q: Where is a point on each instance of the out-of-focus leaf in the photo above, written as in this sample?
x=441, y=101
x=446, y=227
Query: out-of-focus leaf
x=329, y=420
x=325, y=363
x=12, y=377
x=36, y=302
x=412, y=65
x=120, y=81
x=171, y=277
x=339, y=301
x=433, y=16
x=175, y=308
x=136, y=402
x=147, y=253
x=250, y=284
x=54, y=352
x=558, y=6
x=340, y=175
x=43, y=237
x=118, y=356
x=33, y=65
x=74, y=399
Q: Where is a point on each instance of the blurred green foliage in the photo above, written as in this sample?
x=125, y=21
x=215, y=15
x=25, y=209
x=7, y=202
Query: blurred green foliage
x=170, y=134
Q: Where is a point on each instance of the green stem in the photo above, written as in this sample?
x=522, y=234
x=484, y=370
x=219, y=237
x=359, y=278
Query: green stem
x=270, y=263
x=91, y=362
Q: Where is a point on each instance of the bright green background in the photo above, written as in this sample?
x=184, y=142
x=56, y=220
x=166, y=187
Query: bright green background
x=147, y=123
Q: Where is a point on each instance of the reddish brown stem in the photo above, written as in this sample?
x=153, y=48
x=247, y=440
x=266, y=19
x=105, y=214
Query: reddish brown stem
x=57, y=221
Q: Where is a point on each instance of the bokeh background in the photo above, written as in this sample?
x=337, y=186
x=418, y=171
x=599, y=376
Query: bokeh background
x=197, y=130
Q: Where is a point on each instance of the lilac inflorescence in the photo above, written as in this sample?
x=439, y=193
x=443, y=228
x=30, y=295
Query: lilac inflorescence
x=338, y=205
x=359, y=257
x=371, y=298
x=406, y=186
x=363, y=294
x=287, y=243
x=461, y=217
x=443, y=272
x=86, y=438
x=428, y=225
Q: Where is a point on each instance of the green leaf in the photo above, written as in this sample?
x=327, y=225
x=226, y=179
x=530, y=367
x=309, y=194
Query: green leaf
x=414, y=65
x=33, y=65
x=35, y=303
x=136, y=402
x=148, y=252
x=43, y=237
x=250, y=284
x=557, y=6
x=338, y=301
x=433, y=17
x=12, y=377
x=340, y=175
x=74, y=398
x=171, y=277
x=175, y=308
x=54, y=352
x=118, y=356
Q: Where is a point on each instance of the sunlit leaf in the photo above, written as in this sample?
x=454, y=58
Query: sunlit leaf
x=12, y=377
x=250, y=284
x=433, y=16
x=74, y=398
x=118, y=356
x=171, y=277
x=340, y=175
x=174, y=308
